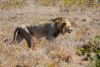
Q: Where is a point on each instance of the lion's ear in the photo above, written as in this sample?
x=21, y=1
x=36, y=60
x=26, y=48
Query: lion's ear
x=52, y=20
x=55, y=20
x=58, y=19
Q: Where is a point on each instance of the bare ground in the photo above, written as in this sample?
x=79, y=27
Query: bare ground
x=61, y=53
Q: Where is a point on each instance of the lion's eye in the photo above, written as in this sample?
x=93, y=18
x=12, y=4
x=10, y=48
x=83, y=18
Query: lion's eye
x=68, y=26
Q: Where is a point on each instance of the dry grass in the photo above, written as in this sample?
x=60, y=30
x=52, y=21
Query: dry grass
x=12, y=4
x=61, y=52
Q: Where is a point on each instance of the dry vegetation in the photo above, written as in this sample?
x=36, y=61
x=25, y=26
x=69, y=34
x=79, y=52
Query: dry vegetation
x=64, y=51
x=6, y=4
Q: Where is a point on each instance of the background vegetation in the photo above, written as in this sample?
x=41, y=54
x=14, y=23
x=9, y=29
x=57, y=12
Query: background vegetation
x=61, y=3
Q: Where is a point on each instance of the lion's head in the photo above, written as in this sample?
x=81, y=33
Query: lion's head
x=67, y=28
x=62, y=25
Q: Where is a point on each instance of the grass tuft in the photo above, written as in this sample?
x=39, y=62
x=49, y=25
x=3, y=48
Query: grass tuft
x=12, y=4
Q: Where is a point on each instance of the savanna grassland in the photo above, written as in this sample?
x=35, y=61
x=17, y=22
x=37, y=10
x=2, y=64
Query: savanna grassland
x=67, y=50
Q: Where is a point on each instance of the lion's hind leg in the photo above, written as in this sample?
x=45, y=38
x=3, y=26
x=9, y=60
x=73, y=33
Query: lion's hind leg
x=27, y=36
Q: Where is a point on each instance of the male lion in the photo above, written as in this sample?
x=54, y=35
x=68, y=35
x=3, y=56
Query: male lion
x=49, y=30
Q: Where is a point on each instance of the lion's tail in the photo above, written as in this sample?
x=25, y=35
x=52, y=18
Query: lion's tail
x=15, y=34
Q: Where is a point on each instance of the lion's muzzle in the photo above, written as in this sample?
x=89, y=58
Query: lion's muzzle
x=69, y=29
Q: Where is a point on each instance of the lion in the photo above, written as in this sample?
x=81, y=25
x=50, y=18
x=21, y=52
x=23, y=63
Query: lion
x=49, y=30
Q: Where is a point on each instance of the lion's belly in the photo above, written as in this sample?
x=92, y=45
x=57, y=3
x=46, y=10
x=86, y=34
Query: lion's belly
x=38, y=32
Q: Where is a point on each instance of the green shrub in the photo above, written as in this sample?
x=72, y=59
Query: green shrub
x=91, y=51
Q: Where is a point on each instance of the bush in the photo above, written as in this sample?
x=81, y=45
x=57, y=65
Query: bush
x=91, y=51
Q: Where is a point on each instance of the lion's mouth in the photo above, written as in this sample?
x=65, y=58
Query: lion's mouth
x=69, y=31
x=66, y=30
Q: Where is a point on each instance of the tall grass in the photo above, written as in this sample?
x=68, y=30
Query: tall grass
x=12, y=4
x=68, y=3
x=65, y=3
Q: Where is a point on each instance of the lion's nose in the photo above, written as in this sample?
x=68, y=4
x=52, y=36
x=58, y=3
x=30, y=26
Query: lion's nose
x=71, y=30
